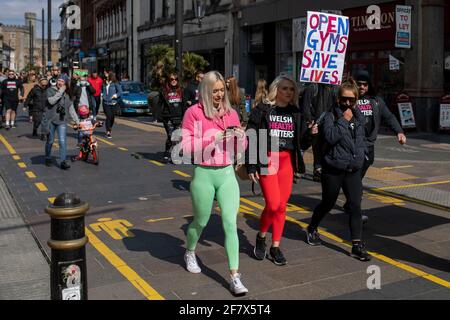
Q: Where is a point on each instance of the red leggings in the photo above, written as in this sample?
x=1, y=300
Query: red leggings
x=276, y=188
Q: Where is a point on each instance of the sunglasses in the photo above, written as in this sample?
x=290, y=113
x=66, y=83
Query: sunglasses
x=351, y=100
x=363, y=84
x=173, y=79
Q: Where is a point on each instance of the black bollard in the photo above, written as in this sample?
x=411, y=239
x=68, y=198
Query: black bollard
x=68, y=244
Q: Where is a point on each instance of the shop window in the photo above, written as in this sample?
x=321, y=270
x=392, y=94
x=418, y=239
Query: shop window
x=165, y=11
x=256, y=42
x=363, y=55
x=284, y=54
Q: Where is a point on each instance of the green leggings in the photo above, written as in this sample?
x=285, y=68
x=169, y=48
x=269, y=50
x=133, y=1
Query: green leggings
x=219, y=181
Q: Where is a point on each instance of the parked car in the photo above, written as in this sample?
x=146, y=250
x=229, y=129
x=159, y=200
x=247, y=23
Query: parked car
x=133, y=99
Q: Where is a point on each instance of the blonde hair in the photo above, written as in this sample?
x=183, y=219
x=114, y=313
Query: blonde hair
x=273, y=90
x=350, y=85
x=261, y=92
x=206, y=92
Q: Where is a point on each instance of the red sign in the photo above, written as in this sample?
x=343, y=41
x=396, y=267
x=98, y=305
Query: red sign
x=361, y=34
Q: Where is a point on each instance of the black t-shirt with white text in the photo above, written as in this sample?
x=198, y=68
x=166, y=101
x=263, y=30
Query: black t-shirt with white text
x=366, y=108
x=282, y=127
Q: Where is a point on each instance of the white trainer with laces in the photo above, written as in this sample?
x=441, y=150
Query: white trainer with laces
x=191, y=262
x=236, y=286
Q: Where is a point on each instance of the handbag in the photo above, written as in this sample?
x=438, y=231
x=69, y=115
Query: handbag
x=241, y=172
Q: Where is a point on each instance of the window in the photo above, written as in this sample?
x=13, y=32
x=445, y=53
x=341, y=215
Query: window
x=152, y=10
x=285, y=60
x=165, y=12
x=124, y=20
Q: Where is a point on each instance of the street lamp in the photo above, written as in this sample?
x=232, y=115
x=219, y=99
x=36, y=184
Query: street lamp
x=199, y=11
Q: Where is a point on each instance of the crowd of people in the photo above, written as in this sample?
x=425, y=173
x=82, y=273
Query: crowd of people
x=340, y=124
x=55, y=100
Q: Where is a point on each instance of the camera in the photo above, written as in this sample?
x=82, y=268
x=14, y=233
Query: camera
x=62, y=112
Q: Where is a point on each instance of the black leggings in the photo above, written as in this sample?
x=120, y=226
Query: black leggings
x=109, y=112
x=37, y=121
x=98, y=101
x=170, y=126
x=332, y=182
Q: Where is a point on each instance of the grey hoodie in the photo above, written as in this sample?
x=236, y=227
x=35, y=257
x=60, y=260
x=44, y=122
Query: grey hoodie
x=56, y=99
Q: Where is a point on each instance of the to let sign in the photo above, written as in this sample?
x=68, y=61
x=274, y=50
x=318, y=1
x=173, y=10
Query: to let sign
x=325, y=47
x=403, y=22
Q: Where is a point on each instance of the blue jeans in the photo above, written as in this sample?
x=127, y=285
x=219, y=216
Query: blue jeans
x=62, y=133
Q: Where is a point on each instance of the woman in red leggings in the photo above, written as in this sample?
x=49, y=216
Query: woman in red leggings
x=287, y=135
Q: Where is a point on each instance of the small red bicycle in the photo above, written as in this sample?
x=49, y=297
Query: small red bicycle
x=88, y=145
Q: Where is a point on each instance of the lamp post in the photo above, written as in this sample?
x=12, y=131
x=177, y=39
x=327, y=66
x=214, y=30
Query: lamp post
x=199, y=11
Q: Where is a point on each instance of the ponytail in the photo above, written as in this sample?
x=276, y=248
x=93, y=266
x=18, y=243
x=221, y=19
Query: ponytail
x=349, y=84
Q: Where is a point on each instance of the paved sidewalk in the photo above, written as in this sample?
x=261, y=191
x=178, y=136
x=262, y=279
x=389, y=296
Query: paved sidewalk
x=24, y=272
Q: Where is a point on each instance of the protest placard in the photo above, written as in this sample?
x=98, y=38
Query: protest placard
x=325, y=48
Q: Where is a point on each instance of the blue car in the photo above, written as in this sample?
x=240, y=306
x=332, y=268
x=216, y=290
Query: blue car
x=133, y=99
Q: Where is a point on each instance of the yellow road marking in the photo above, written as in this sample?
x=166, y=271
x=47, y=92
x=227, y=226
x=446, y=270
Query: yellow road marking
x=41, y=187
x=140, y=126
x=30, y=175
x=398, y=167
x=414, y=185
x=22, y=165
x=159, y=164
x=158, y=220
x=116, y=229
x=7, y=145
x=144, y=288
x=16, y=157
x=384, y=199
x=52, y=200
x=105, y=141
x=381, y=257
x=123, y=149
x=182, y=174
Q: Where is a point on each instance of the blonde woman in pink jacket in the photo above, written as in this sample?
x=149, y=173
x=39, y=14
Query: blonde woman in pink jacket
x=211, y=136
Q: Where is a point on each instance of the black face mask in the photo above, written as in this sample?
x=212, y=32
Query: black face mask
x=344, y=107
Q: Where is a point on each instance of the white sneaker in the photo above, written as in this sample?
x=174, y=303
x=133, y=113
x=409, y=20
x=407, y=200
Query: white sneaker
x=191, y=262
x=236, y=286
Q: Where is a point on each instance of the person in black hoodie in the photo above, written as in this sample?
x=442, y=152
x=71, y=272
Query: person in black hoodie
x=274, y=168
x=376, y=112
x=170, y=110
x=190, y=93
x=83, y=94
x=344, y=132
x=36, y=103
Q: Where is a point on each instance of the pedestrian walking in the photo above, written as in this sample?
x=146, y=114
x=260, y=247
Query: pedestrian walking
x=111, y=92
x=317, y=98
x=343, y=131
x=375, y=112
x=36, y=103
x=261, y=92
x=191, y=92
x=96, y=83
x=214, y=176
x=11, y=93
x=170, y=110
x=84, y=94
x=237, y=99
x=288, y=135
x=56, y=115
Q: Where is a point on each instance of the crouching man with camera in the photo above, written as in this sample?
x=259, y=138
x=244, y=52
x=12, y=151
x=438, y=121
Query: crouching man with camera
x=59, y=106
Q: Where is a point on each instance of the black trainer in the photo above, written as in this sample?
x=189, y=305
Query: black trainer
x=317, y=175
x=312, y=237
x=277, y=256
x=48, y=162
x=260, y=250
x=359, y=252
x=65, y=165
x=365, y=219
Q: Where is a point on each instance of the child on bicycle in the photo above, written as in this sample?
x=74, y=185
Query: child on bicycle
x=86, y=126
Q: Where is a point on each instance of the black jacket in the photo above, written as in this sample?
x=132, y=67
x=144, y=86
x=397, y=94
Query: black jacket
x=259, y=119
x=381, y=113
x=77, y=90
x=344, y=151
x=168, y=109
x=36, y=100
x=190, y=94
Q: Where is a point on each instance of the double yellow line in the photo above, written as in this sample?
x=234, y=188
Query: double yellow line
x=132, y=276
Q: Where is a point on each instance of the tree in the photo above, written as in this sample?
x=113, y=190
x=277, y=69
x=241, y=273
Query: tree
x=162, y=64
